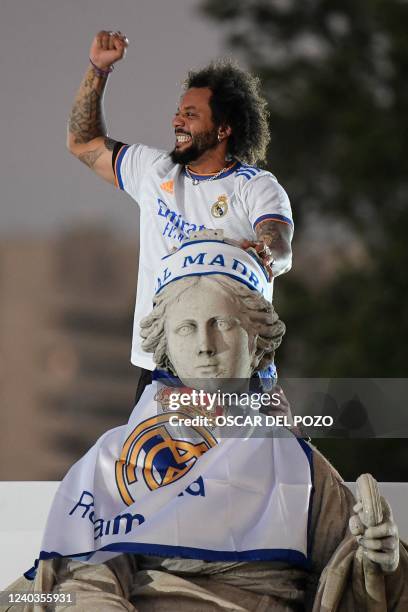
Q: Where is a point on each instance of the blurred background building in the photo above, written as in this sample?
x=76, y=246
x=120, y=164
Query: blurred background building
x=65, y=328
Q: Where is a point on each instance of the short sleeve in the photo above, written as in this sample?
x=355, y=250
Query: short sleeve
x=130, y=165
x=266, y=200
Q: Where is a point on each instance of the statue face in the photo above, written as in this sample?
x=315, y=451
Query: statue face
x=205, y=335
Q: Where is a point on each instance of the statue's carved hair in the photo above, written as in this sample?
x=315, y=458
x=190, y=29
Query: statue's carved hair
x=261, y=319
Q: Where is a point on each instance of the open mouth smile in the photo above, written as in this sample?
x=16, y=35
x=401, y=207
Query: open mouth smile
x=182, y=138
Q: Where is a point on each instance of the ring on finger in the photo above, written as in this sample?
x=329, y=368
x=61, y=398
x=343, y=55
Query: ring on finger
x=266, y=251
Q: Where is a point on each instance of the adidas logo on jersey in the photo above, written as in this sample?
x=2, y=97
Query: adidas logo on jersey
x=168, y=186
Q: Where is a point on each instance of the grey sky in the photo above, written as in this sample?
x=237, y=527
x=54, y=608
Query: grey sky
x=43, y=53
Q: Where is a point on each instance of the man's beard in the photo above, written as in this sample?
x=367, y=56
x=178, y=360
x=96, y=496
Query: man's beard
x=200, y=143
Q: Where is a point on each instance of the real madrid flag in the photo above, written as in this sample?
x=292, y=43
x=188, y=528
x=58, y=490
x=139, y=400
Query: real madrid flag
x=145, y=488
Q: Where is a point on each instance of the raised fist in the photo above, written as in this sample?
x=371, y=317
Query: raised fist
x=107, y=48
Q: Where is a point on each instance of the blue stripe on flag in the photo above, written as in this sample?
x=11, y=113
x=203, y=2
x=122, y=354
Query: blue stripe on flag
x=292, y=557
x=244, y=282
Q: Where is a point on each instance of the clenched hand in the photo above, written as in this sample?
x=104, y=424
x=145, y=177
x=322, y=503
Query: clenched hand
x=107, y=48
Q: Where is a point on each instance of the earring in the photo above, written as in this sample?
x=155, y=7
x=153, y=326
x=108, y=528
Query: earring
x=219, y=137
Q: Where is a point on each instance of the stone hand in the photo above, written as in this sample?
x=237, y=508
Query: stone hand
x=380, y=543
x=107, y=48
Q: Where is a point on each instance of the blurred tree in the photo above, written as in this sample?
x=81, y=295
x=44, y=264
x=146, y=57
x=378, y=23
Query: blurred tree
x=334, y=73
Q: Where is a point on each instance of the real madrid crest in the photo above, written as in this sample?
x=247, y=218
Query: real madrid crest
x=155, y=454
x=220, y=207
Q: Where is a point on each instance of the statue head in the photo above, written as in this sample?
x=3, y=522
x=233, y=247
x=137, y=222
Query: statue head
x=211, y=326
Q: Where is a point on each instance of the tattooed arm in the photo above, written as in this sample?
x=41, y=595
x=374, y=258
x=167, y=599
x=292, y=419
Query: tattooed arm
x=273, y=246
x=277, y=237
x=87, y=134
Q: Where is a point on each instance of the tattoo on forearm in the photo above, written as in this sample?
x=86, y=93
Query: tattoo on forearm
x=86, y=120
x=277, y=238
x=269, y=233
x=90, y=157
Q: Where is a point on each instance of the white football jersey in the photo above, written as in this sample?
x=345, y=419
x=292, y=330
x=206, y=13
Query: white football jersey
x=172, y=206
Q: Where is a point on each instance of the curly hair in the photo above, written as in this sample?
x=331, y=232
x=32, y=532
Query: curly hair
x=261, y=319
x=236, y=102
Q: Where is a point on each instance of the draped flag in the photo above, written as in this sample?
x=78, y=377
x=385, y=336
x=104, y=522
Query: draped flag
x=148, y=488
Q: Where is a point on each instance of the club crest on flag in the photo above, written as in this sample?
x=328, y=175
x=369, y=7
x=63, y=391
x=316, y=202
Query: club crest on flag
x=153, y=457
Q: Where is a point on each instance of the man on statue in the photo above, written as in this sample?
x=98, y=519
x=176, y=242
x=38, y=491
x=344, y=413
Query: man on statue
x=209, y=179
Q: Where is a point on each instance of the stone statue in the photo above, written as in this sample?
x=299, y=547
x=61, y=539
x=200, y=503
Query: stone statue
x=188, y=337
x=208, y=327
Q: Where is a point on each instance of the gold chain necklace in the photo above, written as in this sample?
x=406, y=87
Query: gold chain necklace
x=196, y=181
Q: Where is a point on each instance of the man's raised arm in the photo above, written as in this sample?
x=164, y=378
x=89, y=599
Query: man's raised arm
x=87, y=134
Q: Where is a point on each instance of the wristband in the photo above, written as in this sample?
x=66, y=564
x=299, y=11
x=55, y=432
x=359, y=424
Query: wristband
x=99, y=71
